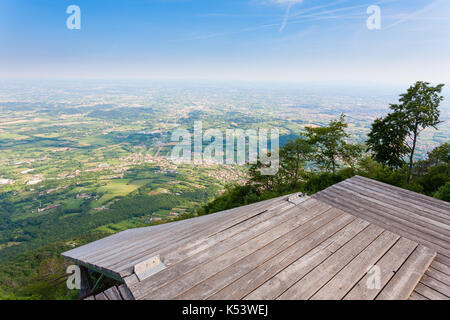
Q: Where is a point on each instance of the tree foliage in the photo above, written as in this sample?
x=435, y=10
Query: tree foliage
x=386, y=141
x=329, y=143
x=293, y=157
x=395, y=136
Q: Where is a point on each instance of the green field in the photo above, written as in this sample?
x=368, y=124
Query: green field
x=118, y=188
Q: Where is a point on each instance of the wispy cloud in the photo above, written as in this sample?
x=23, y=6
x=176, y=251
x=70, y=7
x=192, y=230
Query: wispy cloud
x=289, y=4
x=286, y=17
x=329, y=11
x=415, y=14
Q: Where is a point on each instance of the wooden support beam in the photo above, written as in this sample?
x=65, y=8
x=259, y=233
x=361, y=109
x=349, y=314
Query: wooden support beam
x=86, y=282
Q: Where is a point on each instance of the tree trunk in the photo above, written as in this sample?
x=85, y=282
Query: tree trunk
x=297, y=168
x=411, y=156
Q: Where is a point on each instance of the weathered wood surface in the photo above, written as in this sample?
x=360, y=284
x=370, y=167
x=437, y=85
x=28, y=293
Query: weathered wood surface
x=429, y=293
x=125, y=292
x=114, y=293
x=208, y=262
x=101, y=296
x=417, y=296
x=406, y=278
x=422, y=219
x=274, y=286
x=120, y=252
x=346, y=279
x=321, y=248
x=389, y=265
x=294, y=245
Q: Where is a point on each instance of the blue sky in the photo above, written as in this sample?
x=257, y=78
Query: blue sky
x=227, y=39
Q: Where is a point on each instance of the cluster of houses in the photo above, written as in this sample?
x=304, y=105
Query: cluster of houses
x=5, y=181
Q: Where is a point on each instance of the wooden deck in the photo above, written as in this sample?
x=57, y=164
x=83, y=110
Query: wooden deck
x=321, y=248
x=114, y=293
x=310, y=251
x=116, y=255
x=417, y=217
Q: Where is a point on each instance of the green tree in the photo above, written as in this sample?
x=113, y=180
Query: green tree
x=264, y=182
x=293, y=157
x=420, y=109
x=440, y=154
x=330, y=146
x=395, y=136
x=444, y=192
x=386, y=140
x=352, y=154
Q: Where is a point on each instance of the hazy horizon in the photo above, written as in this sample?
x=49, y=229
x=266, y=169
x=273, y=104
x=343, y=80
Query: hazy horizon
x=251, y=40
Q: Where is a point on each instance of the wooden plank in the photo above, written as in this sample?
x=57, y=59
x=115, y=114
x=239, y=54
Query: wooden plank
x=429, y=292
x=432, y=203
x=409, y=274
x=345, y=279
x=286, y=231
x=106, y=272
x=442, y=258
x=417, y=296
x=127, y=257
x=372, y=216
x=86, y=282
x=101, y=296
x=154, y=239
x=405, y=203
x=408, y=203
x=283, y=279
x=395, y=206
x=185, y=251
x=436, y=285
x=198, y=242
x=98, y=246
x=438, y=275
x=395, y=217
x=388, y=264
x=272, y=258
x=441, y=267
x=306, y=287
x=112, y=294
x=130, y=268
x=275, y=242
x=125, y=292
x=89, y=298
x=131, y=280
x=119, y=241
x=261, y=231
x=401, y=192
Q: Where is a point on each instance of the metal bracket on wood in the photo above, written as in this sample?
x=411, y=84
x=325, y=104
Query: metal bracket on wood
x=297, y=198
x=148, y=267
